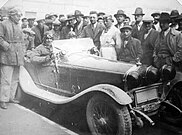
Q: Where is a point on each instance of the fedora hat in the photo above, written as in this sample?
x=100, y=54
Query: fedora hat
x=78, y=13
x=120, y=12
x=155, y=13
x=138, y=11
x=148, y=19
x=126, y=26
x=101, y=14
x=165, y=17
x=14, y=11
x=174, y=14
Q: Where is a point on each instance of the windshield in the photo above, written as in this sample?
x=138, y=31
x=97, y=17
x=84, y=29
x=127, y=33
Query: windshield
x=73, y=45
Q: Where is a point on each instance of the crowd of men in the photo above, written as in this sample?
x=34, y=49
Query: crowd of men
x=154, y=40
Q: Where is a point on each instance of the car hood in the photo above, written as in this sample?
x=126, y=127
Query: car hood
x=91, y=62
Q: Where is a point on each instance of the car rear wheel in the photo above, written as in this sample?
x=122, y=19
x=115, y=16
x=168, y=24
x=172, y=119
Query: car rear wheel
x=106, y=117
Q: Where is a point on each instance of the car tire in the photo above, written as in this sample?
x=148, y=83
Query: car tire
x=106, y=117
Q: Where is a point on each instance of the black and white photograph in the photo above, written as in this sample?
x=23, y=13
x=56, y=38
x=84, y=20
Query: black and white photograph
x=90, y=67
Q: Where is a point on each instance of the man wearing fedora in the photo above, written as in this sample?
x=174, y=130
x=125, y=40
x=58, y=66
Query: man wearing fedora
x=93, y=30
x=79, y=25
x=156, y=16
x=67, y=31
x=56, y=33
x=168, y=46
x=174, y=15
x=148, y=42
x=11, y=56
x=131, y=50
x=138, y=28
x=39, y=30
x=120, y=17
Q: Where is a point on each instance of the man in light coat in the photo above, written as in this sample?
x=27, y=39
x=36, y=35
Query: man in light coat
x=11, y=56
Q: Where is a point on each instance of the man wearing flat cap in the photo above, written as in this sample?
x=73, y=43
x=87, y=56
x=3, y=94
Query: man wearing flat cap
x=131, y=50
x=39, y=30
x=148, y=42
x=138, y=28
x=168, y=46
x=120, y=17
x=78, y=27
x=28, y=36
x=11, y=56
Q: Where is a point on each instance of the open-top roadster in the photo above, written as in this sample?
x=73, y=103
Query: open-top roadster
x=116, y=94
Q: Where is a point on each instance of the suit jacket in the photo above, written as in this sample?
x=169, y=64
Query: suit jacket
x=174, y=43
x=38, y=35
x=138, y=34
x=94, y=34
x=79, y=30
x=11, y=43
x=135, y=49
x=148, y=45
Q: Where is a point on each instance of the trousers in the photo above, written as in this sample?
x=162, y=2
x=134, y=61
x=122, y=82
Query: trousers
x=8, y=82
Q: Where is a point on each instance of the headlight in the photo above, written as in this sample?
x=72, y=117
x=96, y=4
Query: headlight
x=132, y=80
x=152, y=75
x=167, y=73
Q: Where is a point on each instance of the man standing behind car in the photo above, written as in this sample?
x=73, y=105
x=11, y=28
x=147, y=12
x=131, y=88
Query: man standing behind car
x=93, y=30
x=11, y=56
x=168, y=46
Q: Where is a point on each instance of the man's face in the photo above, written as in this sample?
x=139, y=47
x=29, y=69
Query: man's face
x=138, y=18
x=78, y=19
x=41, y=24
x=25, y=22
x=127, y=21
x=93, y=18
x=164, y=25
x=16, y=17
x=156, y=18
x=126, y=32
x=120, y=18
x=148, y=25
x=31, y=22
x=56, y=27
x=107, y=23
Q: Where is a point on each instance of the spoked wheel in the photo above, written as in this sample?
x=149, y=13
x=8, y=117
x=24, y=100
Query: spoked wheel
x=105, y=117
x=170, y=114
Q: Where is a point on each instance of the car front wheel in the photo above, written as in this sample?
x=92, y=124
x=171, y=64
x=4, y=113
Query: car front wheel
x=106, y=117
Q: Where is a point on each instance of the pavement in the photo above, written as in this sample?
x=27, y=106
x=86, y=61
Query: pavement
x=17, y=120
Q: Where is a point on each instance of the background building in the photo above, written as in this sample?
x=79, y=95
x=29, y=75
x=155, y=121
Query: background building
x=38, y=8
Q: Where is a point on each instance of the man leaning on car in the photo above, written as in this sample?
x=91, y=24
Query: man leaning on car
x=11, y=56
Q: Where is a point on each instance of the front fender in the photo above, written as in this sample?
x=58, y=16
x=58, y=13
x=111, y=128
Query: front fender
x=29, y=87
x=114, y=92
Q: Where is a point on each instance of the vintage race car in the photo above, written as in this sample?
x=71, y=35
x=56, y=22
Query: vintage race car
x=117, y=95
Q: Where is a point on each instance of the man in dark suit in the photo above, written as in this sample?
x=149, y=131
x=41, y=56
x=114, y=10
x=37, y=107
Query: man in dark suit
x=131, y=50
x=168, y=45
x=79, y=25
x=93, y=30
x=148, y=42
x=39, y=30
x=138, y=28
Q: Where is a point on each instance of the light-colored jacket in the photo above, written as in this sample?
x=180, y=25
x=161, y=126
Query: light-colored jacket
x=11, y=43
